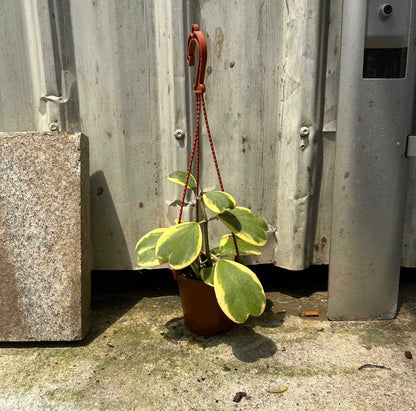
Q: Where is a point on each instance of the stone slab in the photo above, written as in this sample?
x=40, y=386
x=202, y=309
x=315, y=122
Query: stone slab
x=44, y=236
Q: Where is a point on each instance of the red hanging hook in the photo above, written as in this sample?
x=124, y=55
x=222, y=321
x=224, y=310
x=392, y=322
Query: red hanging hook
x=197, y=38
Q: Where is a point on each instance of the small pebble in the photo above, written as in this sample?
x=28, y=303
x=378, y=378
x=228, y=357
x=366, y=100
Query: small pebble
x=408, y=355
x=239, y=396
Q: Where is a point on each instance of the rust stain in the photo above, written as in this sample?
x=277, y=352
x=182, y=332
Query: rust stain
x=219, y=40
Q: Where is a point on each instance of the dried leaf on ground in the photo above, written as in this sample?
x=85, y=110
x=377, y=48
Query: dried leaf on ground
x=277, y=391
x=309, y=314
x=374, y=366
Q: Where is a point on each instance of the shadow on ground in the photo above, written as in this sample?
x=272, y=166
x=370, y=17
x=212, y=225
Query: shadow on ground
x=114, y=293
x=247, y=345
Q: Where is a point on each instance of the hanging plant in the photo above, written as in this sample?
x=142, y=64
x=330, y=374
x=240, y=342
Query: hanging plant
x=185, y=246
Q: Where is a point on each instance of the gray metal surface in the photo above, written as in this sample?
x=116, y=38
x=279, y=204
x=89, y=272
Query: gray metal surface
x=371, y=173
x=300, y=136
x=117, y=72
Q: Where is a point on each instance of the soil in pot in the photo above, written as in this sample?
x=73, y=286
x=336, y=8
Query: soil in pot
x=202, y=314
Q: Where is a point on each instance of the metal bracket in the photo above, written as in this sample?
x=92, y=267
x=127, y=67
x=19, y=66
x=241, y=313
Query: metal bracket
x=411, y=146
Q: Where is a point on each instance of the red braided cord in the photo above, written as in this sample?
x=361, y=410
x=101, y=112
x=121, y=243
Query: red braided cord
x=216, y=166
x=199, y=96
x=198, y=105
x=196, y=139
x=211, y=143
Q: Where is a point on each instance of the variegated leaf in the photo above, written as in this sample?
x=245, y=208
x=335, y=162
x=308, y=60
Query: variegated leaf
x=218, y=201
x=245, y=225
x=238, y=290
x=227, y=246
x=179, y=177
x=146, y=248
x=207, y=275
x=180, y=244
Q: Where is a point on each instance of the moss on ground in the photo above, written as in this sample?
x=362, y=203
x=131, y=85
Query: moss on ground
x=142, y=356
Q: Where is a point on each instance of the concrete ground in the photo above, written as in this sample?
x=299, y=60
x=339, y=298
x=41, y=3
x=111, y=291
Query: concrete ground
x=140, y=356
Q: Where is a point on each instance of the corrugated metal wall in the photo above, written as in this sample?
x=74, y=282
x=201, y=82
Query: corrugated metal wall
x=116, y=70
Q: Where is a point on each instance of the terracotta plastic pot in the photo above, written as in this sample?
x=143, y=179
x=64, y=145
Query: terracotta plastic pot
x=202, y=314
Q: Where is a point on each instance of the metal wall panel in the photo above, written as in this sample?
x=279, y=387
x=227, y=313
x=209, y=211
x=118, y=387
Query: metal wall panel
x=116, y=70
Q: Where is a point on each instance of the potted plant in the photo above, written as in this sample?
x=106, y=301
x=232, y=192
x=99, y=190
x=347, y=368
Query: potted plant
x=216, y=290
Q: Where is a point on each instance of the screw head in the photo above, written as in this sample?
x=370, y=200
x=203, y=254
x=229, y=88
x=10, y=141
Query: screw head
x=304, y=132
x=53, y=126
x=179, y=134
x=385, y=10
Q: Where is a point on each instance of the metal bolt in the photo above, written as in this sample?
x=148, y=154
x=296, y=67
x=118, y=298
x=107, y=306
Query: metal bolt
x=304, y=132
x=53, y=126
x=179, y=134
x=386, y=10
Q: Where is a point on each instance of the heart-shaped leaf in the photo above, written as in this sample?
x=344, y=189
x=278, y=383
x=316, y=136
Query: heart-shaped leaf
x=238, y=290
x=179, y=177
x=180, y=244
x=218, y=201
x=244, y=248
x=244, y=224
x=146, y=248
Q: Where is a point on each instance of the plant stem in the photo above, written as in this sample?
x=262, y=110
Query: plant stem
x=208, y=220
x=204, y=227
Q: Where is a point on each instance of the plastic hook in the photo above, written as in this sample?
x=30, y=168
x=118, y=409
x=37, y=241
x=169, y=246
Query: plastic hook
x=197, y=38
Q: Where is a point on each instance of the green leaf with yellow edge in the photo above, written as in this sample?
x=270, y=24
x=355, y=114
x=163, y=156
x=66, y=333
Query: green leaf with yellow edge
x=244, y=248
x=238, y=290
x=146, y=248
x=218, y=201
x=216, y=251
x=179, y=177
x=180, y=244
x=245, y=225
x=207, y=275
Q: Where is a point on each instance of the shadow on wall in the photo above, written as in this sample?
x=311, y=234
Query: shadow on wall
x=110, y=250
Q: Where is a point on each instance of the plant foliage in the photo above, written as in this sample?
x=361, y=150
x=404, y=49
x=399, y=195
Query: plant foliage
x=237, y=289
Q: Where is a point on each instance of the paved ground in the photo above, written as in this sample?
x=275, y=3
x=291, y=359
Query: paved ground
x=140, y=356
